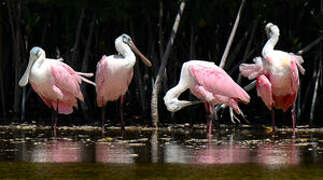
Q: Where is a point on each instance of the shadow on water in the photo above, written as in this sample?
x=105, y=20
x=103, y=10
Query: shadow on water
x=170, y=153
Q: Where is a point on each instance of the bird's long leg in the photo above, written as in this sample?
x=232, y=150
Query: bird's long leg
x=206, y=106
x=102, y=119
x=55, y=118
x=293, y=118
x=273, y=120
x=121, y=113
x=209, y=111
x=211, y=119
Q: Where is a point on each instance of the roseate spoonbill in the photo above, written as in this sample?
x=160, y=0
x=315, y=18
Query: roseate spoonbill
x=277, y=75
x=55, y=82
x=114, y=74
x=209, y=83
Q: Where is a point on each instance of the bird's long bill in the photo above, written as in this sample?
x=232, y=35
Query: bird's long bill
x=189, y=103
x=143, y=58
x=24, y=79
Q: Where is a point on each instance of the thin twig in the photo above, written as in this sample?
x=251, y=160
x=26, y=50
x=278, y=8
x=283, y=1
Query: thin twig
x=232, y=34
x=159, y=77
x=228, y=46
x=318, y=74
x=314, y=96
x=250, y=86
x=310, y=46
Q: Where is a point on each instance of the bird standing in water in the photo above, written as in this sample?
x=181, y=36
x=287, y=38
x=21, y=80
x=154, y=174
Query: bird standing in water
x=207, y=82
x=277, y=75
x=55, y=82
x=114, y=74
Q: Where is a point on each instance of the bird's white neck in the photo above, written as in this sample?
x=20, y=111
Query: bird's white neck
x=171, y=98
x=174, y=93
x=270, y=44
x=125, y=51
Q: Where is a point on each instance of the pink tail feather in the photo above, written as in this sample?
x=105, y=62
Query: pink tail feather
x=88, y=81
x=299, y=61
x=86, y=75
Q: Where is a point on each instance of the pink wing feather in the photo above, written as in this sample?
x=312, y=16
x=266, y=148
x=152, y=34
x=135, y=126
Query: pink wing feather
x=62, y=88
x=67, y=82
x=264, y=91
x=217, y=81
x=294, y=76
x=99, y=80
x=66, y=79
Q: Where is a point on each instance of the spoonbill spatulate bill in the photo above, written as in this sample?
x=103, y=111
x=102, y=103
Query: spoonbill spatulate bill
x=55, y=82
x=114, y=74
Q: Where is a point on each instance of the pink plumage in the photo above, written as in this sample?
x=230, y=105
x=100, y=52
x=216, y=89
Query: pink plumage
x=54, y=81
x=114, y=74
x=216, y=81
x=277, y=78
x=112, y=79
x=207, y=82
x=210, y=84
x=277, y=75
x=264, y=91
x=62, y=87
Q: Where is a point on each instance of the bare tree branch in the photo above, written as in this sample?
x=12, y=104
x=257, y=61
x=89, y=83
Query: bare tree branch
x=157, y=84
x=310, y=46
x=232, y=34
x=315, y=94
x=228, y=46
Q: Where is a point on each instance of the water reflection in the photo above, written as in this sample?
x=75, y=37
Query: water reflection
x=57, y=151
x=114, y=153
x=165, y=148
x=276, y=155
x=272, y=154
x=154, y=146
x=222, y=154
x=177, y=153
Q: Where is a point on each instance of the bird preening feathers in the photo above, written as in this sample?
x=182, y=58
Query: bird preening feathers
x=277, y=75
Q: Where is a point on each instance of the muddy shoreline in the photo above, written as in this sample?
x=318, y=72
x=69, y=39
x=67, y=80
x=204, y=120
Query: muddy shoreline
x=170, y=128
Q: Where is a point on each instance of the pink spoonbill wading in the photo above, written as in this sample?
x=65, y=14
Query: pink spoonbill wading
x=114, y=74
x=55, y=82
x=207, y=82
x=277, y=75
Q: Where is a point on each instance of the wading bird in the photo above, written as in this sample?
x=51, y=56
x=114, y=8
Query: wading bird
x=207, y=82
x=277, y=75
x=114, y=74
x=55, y=82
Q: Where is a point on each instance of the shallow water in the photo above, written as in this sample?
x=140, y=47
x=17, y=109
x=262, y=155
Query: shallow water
x=183, y=153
